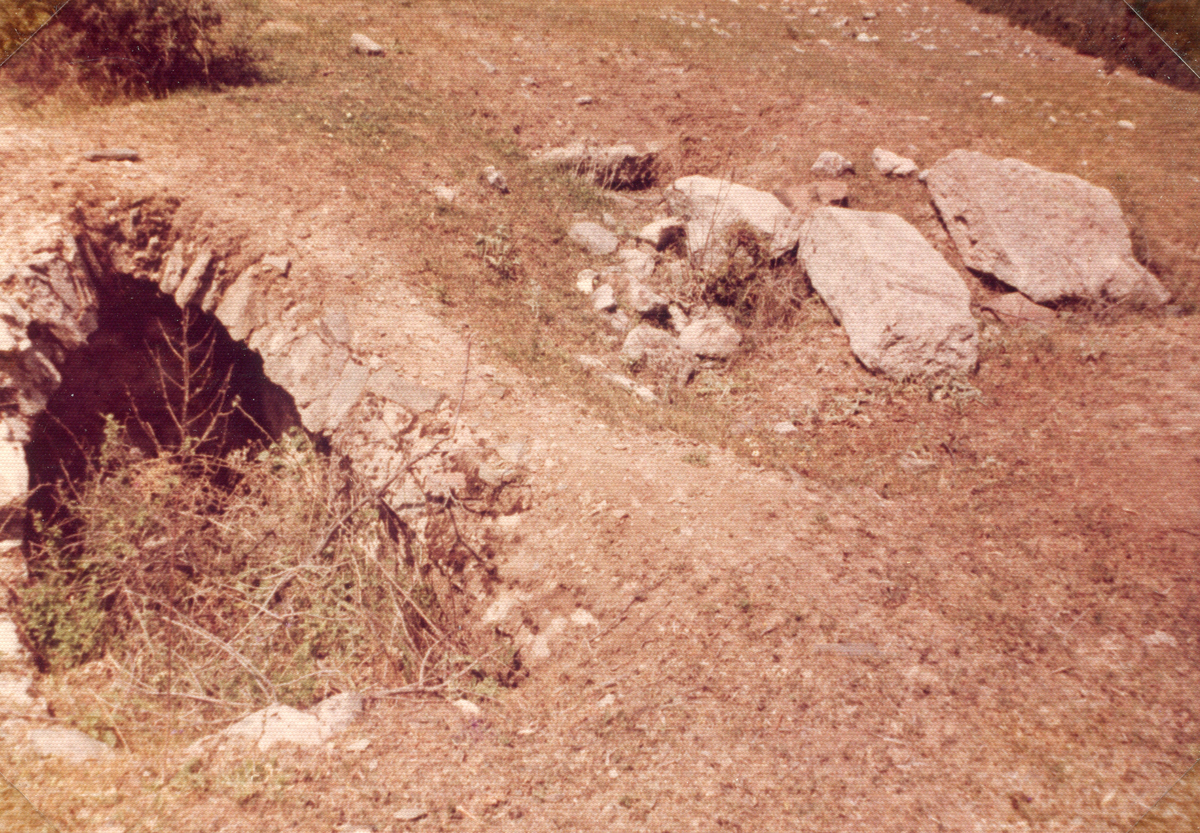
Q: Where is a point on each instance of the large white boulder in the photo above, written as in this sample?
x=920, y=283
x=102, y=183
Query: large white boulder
x=906, y=311
x=710, y=207
x=1052, y=236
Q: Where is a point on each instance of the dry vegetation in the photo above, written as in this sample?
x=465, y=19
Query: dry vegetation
x=927, y=584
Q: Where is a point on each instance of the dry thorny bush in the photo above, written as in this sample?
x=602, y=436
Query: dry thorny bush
x=269, y=574
x=136, y=48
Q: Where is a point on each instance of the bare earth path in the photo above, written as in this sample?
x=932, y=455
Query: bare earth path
x=1011, y=641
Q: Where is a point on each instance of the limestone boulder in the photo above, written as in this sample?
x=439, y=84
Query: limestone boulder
x=711, y=207
x=645, y=301
x=1052, y=236
x=711, y=338
x=636, y=264
x=831, y=192
x=593, y=238
x=906, y=311
x=70, y=745
x=892, y=164
x=364, y=46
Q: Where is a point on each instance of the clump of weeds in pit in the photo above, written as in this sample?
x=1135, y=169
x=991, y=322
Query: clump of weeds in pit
x=269, y=574
x=761, y=291
x=498, y=253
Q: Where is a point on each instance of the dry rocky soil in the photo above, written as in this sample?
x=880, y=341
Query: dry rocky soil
x=969, y=613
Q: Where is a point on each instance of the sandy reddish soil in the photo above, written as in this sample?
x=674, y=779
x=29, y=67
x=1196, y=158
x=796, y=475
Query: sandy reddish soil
x=1006, y=640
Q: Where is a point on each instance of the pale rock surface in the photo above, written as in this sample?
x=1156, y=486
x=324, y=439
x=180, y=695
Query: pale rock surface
x=494, y=179
x=636, y=264
x=14, y=474
x=640, y=391
x=711, y=338
x=679, y=318
x=906, y=311
x=70, y=745
x=711, y=206
x=1052, y=236
x=603, y=299
x=585, y=281
x=662, y=234
x=1015, y=309
x=645, y=301
x=644, y=339
x=658, y=352
x=892, y=164
x=336, y=713
x=16, y=691
x=619, y=322
x=10, y=642
x=279, y=724
x=831, y=192
x=274, y=725
x=832, y=164
x=593, y=238
x=241, y=309
x=364, y=45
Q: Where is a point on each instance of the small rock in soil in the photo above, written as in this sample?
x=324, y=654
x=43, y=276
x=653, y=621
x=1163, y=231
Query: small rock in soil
x=364, y=45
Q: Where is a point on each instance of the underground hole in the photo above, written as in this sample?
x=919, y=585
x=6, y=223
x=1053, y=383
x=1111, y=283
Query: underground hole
x=186, y=531
x=165, y=377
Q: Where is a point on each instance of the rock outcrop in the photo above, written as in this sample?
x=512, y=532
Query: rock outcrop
x=1053, y=236
x=906, y=311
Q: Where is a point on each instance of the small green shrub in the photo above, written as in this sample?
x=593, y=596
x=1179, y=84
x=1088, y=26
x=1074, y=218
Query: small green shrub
x=136, y=48
x=498, y=253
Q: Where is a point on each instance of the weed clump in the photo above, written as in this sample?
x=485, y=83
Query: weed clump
x=136, y=48
x=201, y=577
x=760, y=290
x=270, y=573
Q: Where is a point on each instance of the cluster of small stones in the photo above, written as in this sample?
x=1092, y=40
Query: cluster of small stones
x=907, y=312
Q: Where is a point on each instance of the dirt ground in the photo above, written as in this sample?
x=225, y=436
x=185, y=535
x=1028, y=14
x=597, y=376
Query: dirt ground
x=973, y=614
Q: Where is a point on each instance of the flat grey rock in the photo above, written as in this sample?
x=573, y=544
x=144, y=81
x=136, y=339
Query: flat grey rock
x=892, y=164
x=906, y=311
x=593, y=237
x=1052, y=236
x=712, y=338
x=603, y=299
x=662, y=234
x=70, y=745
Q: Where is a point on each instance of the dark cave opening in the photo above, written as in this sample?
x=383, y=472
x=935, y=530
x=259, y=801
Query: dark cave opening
x=166, y=376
